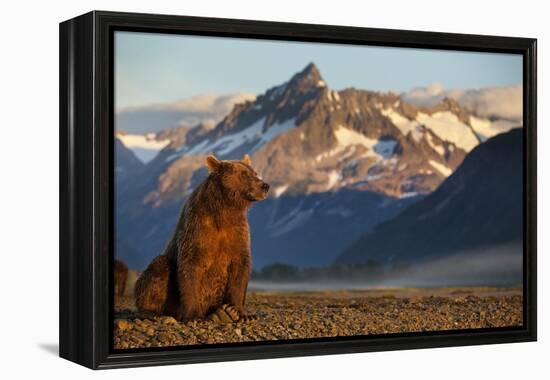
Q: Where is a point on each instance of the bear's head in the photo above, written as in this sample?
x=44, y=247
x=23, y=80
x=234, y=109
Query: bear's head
x=238, y=178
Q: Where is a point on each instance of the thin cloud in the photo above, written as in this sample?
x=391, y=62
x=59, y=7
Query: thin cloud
x=505, y=102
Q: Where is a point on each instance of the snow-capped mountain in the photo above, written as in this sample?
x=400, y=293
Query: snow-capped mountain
x=308, y=141
x=306, y=138
x=477, y=208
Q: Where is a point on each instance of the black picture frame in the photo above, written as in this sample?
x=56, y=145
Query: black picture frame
x=86, y=186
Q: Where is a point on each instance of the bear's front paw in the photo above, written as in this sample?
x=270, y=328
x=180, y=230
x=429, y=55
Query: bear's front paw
x=225, y=314
x=248, y=318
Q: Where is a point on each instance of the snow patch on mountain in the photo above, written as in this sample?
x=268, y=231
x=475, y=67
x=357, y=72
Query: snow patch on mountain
x=438, y=148
x=347, y=141
x=333, y=96
x=274, y=131
x=230, y=142
x=189, y=150
x=441, y=168
x=347, y=137
x=145, y=147
x=333, y=178
x=505, y=125
x=448, y=127
x=279, y=190
x=403, y=124
x=485, y=128
x=482, y=127
x=197, y=149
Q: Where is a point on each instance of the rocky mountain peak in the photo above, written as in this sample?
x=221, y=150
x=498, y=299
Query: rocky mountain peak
x=309, y=77
x=449, y=104
x=277, y=105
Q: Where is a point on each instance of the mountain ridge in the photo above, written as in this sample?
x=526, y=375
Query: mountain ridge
x=468, y=211
x=326, y=121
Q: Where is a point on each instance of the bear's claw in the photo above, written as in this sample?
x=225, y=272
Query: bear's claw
x=229, y=314
x=248, y=318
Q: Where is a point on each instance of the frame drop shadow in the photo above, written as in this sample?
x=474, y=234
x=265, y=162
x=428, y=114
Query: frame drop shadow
x=51, y=348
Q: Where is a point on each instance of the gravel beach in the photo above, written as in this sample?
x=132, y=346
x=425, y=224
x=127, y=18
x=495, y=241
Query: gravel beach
x=298, y=315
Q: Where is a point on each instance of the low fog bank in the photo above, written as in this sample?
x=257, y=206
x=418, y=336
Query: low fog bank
x=495, y=266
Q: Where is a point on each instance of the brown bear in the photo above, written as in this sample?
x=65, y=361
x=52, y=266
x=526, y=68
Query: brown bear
x=121, y=276
x=205, y=267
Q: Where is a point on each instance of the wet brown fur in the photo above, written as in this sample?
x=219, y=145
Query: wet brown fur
x=121, y=276
x=207, y=261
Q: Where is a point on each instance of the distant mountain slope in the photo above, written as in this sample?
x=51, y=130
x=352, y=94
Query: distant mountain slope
x=127, y=164
x=478, y=206
x=313, y=230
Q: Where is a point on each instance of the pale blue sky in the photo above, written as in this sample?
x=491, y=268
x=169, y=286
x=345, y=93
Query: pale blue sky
x=155, y=68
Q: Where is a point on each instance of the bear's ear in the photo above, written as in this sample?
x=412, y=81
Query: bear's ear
x=247, y=160
x=213, y=164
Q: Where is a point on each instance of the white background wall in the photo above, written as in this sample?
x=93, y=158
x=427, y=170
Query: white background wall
x=29, y=190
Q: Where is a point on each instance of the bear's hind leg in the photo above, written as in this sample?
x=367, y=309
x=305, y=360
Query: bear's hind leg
x=153, y=291
x=122, y=284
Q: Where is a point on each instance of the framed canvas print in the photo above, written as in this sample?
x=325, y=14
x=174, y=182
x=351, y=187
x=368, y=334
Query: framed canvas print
x=238, y=189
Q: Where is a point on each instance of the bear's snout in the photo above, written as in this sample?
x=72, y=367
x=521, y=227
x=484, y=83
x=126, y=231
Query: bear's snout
x=265, y=187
